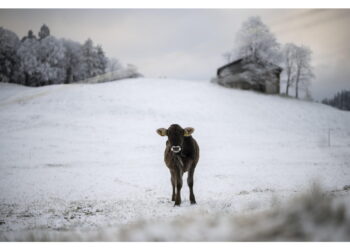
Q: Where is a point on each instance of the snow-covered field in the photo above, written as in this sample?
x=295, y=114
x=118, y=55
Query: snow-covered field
x=86, y=157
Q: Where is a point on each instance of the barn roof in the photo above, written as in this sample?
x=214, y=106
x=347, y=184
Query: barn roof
x=239, y=61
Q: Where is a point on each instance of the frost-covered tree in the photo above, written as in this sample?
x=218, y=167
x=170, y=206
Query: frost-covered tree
x=29, y=67
x=51, y=55
x=260, y=51
x=101, y=60
x=89, y=57
x=44, y=32
x=297, y=68
x=95, y=61
x=229, y=56
x=304, y=72
x=255, y=40
x=73, y=61
x=289, y=64
x=29, y=36
x=131, y=71
x=113, y=65
x=9, y=43
x=41, y=62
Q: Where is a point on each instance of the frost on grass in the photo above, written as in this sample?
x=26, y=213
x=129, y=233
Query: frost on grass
x=313, y=216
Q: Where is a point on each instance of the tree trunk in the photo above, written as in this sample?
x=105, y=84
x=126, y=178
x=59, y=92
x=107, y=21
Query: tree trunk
x=26, y=79
x=69, y=75
x=288, y=84
x=297, y=84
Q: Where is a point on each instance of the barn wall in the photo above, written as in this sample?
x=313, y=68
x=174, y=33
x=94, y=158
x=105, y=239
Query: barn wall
x=231, y=77
x=271, y=89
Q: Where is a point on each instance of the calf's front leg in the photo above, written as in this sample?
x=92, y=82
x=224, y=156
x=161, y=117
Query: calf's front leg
x=173, y=182
x=178, y=174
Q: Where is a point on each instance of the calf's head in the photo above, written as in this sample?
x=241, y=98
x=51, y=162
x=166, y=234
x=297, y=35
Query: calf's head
x=176, y=136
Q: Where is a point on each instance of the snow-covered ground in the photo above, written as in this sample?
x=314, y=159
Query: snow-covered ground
x=86, y=156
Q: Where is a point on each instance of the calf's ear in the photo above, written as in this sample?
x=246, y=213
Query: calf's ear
x=162, y=131
x=188, y=131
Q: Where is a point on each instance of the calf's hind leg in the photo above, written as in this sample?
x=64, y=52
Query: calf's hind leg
x=190, y=184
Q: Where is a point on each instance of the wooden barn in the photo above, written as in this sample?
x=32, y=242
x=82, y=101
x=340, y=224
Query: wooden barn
x=247, y=73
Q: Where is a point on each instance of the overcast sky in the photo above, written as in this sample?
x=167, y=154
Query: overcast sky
x=189, y=43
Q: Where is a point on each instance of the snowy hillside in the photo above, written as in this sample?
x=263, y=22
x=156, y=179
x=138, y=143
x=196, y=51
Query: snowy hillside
x=86, y=156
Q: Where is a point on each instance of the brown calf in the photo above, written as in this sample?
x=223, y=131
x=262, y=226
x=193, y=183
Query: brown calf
x=181, y=155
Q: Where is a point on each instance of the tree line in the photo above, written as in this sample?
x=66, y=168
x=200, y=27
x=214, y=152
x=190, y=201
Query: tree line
x=45, y=60
x=341, y=100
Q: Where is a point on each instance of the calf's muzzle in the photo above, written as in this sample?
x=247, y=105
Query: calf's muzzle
x=175, y=149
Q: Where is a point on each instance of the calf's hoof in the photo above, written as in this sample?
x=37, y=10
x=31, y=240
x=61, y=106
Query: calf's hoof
x=192, y=199
x=193, y=202
x=177, y=203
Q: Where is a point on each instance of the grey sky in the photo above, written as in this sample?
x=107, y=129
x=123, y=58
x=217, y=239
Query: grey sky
x=189, y=43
